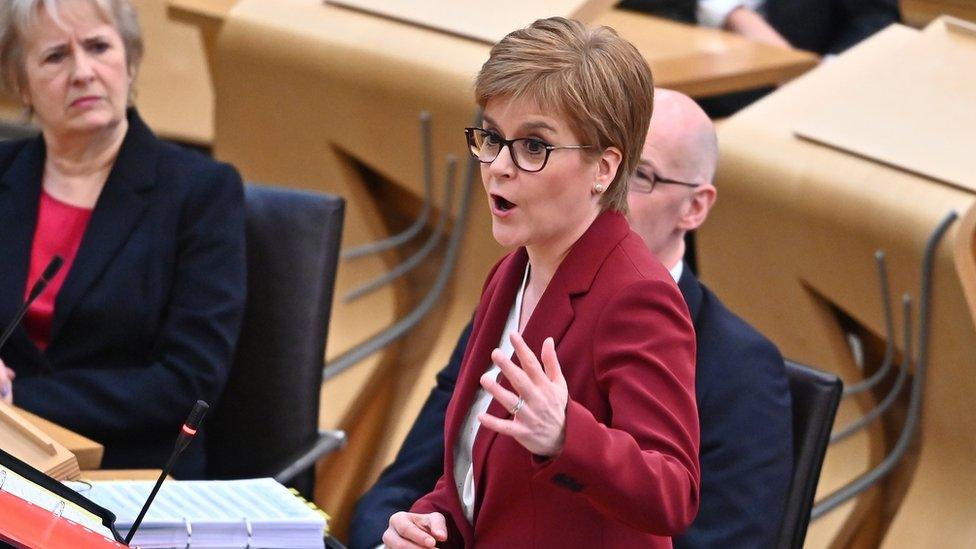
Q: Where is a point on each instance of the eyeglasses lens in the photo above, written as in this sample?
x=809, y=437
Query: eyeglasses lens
x=528, y=154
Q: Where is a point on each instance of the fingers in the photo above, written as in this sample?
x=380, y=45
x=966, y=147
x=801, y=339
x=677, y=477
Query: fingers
x=437, y=526
x=516, y=376
x=530, y=364
x=550, y=362
x=6, y=384
x=499, y=425
x=415, y=530
x=506, y=398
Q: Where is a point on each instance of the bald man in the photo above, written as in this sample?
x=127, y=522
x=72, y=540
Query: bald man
x=741, y=386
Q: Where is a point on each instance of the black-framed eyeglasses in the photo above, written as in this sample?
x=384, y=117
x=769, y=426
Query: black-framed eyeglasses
x=528, y=153
x=644, y=182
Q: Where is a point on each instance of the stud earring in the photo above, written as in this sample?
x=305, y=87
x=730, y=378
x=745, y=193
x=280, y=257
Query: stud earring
x=598, y=188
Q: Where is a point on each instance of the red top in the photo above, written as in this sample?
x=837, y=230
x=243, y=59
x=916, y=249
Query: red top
x=60, y=227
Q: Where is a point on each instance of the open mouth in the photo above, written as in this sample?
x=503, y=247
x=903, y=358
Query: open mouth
x=501, y=204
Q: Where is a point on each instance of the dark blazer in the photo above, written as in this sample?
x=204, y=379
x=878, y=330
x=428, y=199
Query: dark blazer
x=746, y=436
x=746, y=428
x=829, y=26
x=627, y=475
x=822, y=26
x=148, y=316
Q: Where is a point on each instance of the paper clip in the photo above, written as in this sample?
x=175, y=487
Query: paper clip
x=247, y=528
x=58, y=509
x=3, y=478
x=189, y=532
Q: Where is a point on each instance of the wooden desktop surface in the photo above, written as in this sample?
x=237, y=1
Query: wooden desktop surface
x=919, y=13
x=695, y=60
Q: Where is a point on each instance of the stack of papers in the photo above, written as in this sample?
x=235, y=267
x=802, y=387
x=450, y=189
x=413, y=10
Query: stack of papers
x=236, y=513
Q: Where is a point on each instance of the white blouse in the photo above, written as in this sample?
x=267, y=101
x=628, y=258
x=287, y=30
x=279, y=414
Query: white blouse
x=463, y=467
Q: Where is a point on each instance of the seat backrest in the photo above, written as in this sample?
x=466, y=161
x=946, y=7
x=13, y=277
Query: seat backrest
x=270, y=406
x=16, y=130
x=816, y=396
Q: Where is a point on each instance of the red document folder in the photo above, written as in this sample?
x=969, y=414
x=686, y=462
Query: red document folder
x=33, y=508
x=23, y=524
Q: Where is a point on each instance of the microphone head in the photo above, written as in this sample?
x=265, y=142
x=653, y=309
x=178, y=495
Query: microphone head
x=196, y=415
x=53, y=267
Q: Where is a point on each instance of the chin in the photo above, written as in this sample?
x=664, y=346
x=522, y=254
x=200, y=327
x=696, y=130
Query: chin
x=506, y=237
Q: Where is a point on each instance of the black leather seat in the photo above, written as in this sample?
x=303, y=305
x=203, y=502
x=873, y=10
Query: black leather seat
x=816, y=396
x=267, y=418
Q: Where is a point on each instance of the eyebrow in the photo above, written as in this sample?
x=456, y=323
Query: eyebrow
x=64, y=43
x=531, y=125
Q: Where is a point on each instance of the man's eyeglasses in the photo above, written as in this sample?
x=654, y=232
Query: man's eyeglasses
x=644, y=182
x=528, y=154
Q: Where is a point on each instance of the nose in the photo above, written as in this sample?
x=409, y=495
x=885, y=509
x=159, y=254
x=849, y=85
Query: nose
x=83, y=71
x=503, y=166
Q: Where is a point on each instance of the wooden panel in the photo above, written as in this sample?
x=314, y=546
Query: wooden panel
x=88, y=452
x=919, y=13
x=819, y=215
x=28, y=443
x=894, y=111
x=487, y=22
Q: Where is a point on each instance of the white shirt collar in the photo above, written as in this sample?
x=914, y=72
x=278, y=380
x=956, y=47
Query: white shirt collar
x=677, y=270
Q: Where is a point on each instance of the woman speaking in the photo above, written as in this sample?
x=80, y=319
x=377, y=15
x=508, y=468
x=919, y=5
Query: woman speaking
x=142, y=319
x=573, y=423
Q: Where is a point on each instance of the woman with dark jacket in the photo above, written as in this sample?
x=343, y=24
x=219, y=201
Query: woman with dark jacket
x=142, y=319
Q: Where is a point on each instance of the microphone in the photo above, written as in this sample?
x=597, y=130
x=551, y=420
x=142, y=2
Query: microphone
x=187, y=432
x=49, y=272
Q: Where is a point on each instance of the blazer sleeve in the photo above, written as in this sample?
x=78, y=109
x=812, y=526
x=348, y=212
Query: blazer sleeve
x=746, y=443
x=194, y=348
x=418, y=464
x=641, y=469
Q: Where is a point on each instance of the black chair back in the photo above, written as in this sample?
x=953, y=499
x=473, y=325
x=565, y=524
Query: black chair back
x=816, y=396
x=270, y=407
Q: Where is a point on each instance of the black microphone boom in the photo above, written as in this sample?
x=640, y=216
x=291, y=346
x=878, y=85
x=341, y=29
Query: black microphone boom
x=187, y=433
x=49, y=272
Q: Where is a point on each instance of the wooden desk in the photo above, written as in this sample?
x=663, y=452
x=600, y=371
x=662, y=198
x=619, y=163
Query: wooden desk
x=820, y=214
x=122, y=474
x=919, y=13
x=88, y=452
x=695, y=60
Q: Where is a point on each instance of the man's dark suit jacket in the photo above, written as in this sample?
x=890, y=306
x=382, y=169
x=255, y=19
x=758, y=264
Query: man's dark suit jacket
x=822, y=26
x=148, y=316
x=746, y=436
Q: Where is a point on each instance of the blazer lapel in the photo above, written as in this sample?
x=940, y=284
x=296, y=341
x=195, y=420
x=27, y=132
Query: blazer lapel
x=488, y=333
x=554, y=313
x=120, y=206
x=20, y=191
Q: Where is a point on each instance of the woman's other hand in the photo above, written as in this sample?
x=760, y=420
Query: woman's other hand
x=415, y=530
x=6, y=383
x=539, y=419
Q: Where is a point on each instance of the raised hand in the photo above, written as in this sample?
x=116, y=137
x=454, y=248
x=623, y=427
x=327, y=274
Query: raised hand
x=538, y=403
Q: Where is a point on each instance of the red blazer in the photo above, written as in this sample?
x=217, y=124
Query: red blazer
x=628, y=473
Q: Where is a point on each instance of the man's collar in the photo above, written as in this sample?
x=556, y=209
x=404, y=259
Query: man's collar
x=676, y=271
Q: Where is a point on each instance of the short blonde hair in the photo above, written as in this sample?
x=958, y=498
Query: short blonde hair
x=18, y=16
x=591, y=76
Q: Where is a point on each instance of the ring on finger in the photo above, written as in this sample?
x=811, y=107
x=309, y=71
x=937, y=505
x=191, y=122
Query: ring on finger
x=518, y=406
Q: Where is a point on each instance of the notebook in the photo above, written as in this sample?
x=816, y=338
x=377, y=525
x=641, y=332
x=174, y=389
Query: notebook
x=232, y=513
